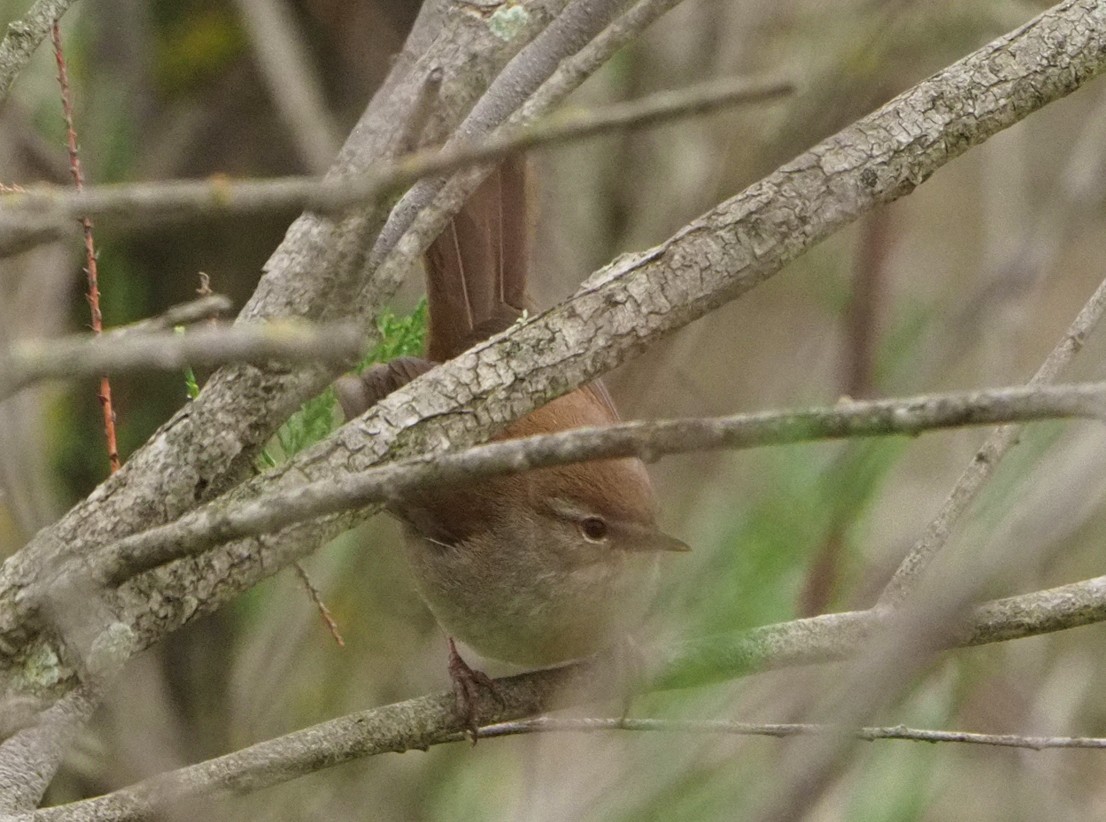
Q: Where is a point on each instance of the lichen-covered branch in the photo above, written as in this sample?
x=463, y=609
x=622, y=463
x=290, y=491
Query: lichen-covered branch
x=634, y=301
x=23, y=37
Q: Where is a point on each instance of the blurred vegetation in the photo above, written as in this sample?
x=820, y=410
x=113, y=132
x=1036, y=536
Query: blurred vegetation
x=171, y=89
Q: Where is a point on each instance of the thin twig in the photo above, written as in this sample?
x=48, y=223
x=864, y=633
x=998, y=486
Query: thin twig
x=426, y=101
x=207, y=307
x=922, y=623
x=781, y=730
x=30, y=361
x=217, y=522
x=142, y=203
x=320, y=605
x=714, y=259
x=91, y=271
x=985, y=460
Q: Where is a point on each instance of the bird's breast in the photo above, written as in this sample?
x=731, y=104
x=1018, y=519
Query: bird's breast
x=519, y=608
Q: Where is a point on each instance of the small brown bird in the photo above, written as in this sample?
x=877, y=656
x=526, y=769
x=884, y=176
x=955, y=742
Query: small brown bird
x=536, y=568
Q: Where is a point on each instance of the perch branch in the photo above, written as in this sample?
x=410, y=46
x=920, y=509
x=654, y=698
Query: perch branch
x=433, y=720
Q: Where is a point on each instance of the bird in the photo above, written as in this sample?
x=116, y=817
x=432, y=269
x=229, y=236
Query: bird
x=537, y=568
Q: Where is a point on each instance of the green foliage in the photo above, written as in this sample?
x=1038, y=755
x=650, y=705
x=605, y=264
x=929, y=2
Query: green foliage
x=400, y=336
x=191, y=385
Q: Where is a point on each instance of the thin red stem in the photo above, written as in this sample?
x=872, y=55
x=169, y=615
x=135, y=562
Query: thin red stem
x=89, y=246
x=317, y=598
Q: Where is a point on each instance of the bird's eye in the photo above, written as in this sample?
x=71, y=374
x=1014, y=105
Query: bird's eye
x=593, y=529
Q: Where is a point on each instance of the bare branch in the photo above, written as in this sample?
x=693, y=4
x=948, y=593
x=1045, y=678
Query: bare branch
x=91, y=266
x=35, y=210
x=640, y=299
x=834, y=637
x=211, y=444
x=204, y=308
x=43, y=738
x=573, y=71
x=627, y=306
x=927, y=617
x=780, y=730
x=432, y=720
x=41, y=745
x=23, y=37
x=242, y=405
x=30, y=361
x=512, y=102
x=218, y=522
x=984, y=462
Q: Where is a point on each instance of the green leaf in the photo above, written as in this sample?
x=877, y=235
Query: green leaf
x=400, y=336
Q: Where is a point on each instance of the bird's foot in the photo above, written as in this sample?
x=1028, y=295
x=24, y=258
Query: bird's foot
x=467, y=683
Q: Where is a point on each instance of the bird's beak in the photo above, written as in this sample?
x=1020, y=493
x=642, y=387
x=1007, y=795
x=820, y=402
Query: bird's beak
x=646, y=539
x=663, y=542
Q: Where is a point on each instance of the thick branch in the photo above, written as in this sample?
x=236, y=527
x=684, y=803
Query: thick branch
x=212, y=443
x=431, y=720
x=626, y=306
x=423, y=212
x=208, y=442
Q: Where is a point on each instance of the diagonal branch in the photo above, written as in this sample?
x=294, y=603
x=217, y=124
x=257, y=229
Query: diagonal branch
x=631, y=303
x=245, y=404
x=628, y=305
x=986, y=459
x=211, y=444
x=23, y=37
x=423, y=212
x=293, y=81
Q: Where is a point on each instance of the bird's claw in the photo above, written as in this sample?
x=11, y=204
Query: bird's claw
x=467, y=683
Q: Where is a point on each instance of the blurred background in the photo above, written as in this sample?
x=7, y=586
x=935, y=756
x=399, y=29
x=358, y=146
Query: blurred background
x=967, y=283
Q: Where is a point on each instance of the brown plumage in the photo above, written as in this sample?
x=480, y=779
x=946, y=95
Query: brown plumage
x=538, y=567
x=476, y=271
